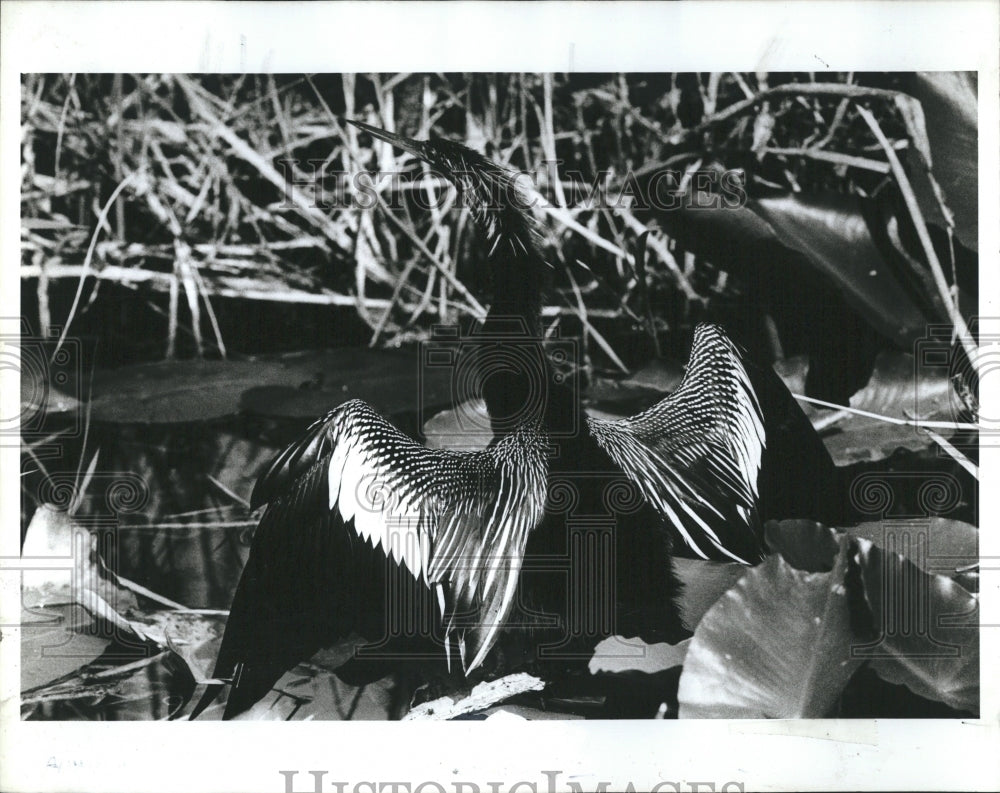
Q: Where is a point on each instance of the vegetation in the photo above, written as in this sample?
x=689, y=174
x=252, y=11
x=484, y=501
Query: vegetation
x=829, y=220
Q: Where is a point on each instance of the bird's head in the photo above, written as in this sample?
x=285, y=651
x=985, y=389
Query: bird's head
x=499, y=200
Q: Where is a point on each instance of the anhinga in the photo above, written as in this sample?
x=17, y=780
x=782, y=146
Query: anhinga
x=364, y=526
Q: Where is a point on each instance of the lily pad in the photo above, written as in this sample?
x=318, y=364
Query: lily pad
x=704, y=582
x=617, y=654
x=55, y=642
x=935, y=545
x=300, y=385
x=927, y=629
x=922, y=627
x=777, y=645
x=896, y=389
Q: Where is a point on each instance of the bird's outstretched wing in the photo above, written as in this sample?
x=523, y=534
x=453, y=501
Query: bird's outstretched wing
x=696, y=454
x=353, y=498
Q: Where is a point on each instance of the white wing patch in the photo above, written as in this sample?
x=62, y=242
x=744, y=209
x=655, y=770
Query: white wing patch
x=383, y=515
x=459, y=522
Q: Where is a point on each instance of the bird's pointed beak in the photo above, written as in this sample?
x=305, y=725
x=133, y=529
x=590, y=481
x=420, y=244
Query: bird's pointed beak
x=406, y=144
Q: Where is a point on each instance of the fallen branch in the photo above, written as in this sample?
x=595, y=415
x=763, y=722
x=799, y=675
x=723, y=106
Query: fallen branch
x=483, y=696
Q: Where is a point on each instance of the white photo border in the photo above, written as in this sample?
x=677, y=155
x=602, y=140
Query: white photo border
x=472, y=36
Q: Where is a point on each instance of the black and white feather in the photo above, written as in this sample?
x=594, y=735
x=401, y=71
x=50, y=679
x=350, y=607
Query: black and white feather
x=362, y=524
x=696, y=455
x=356, y=487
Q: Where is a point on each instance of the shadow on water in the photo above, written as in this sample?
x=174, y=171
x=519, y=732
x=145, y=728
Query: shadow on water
x=168, y=505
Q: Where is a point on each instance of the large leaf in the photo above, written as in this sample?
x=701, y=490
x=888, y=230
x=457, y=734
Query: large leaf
x=703, y=583
x=71, y=575
x=922, y=628
x=898, y=389
x=777, y=645
x=951, y=116
x=830, y=231
x=70, y=569
x=300, y=385
x=936, y=545
x=927, y=629
x=62, y=552
x=824, y=232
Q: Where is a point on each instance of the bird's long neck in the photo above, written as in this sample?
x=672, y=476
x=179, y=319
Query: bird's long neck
x=514, y=375
x=519, y=385
x=500, y=209
x=514, y=372
x=517, y=293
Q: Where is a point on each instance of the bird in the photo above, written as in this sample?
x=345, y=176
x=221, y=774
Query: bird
x=563, y=527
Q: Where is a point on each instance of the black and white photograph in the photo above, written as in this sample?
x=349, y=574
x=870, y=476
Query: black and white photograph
x=606, y=405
